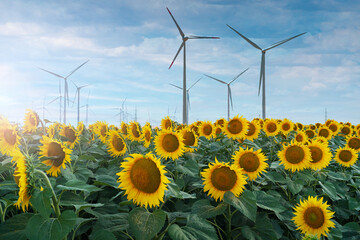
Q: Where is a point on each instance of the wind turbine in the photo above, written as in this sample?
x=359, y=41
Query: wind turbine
x=184, y=39
x=121, y=113
x=87, y=108
x=229, y=97
x=187, y=95
x=262, y=67
x=59, y=97
x=78, y=101
x=66, y=93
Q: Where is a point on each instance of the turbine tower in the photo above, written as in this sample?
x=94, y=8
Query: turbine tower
x=66, y=93
x=184, y=39
x=229, y=97
x=78, y=101
x=262, y=67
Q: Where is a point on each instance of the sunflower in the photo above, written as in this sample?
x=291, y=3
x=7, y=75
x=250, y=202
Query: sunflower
x=52, y=129
x=327, y=123
x=21, y=179
x=295, y=156
x=320, y=155
x=236, y=127
x=124, y=129
x=169, y=144
x=146, y=135
x=334, y=127
x=253, y=131
x=271, y=127
x=321, y=140
x=134, y=131
x=346, y=131
x=115, y=143
x=80, y=127
x=71, y=134
x=312, y=216
x=143, y=179
x=220, y=122
x=312, y=127
x=346, y=156
x=57, y=152
x=9, y=138
x=353, y=142
x=300, y=126
x=206, y=129
x=310, y=133
x=325, y=132
x=286, y=126
x=217, y=129
x=252, y=162
x=190, y=139
x=31, y=121
x=101, y=129
x=318, y=125
x=195, y=128
x=220, y=177
x=166, y=123
x=301, y=137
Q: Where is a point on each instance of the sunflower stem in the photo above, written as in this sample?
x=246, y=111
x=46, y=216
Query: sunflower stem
x=2, y=213
x=54, y=198
x=228, y=229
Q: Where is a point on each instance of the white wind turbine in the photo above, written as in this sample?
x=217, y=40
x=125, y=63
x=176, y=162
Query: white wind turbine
x=229, y=96
x=187, y=96
x=121, y=113
x=57, y=98
x=78, y=100
x=66, y=93
x=184, y=39
x=262, y=67
x=87, y=109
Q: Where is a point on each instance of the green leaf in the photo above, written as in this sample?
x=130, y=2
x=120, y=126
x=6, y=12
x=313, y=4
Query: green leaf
x=40, y=228
x=113, y=222
x=190, y=168
x=102, y=235
x=144, y=224
x=106, y=180
x=269, y=201
x=275, y=177
x=330, y=190
x=246, y=203
x=79, y=186
x=177, y=233
x=40, y=200
x=295, y=186
x=354, y=204
x=174, y=191
x=14, y=228
x=204, y=209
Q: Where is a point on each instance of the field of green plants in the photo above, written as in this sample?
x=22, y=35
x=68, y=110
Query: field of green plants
x=236, y=179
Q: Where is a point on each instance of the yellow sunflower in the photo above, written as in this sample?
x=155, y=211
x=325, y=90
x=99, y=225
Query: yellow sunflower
x=71, y=134
x=236, y=127
x=286, y=126
x=334, y=127
x=320, y=155
x=321, y=140
x=80, y=127
x=52, y=129
x=301, y=137
x=318, y=125
x=310, y=133
x=206, y=129
x=190, y=139
x=57, y=153
x=353, y=142
x=346, y=156
x=217, y=129
x=195, y=128
x=271, y=127
x=300, y=126
x=134, y=131
x=9, y=138
x=327, y=123
x=169, y=144
x=146, y=135
x=325, y=132
x=295, y=156
x=346, y=131
x=252, y=162
x=21, y=179
x=31, y=121
x=220, y=122
x=115, y=143
x=166, y=123
x=312, y=216
x=124, y=129
x=253, y=131
x=143, y=179
x=220, y=177
x=101, y=129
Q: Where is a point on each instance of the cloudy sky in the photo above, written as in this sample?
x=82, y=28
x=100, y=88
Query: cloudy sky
x=131, y=43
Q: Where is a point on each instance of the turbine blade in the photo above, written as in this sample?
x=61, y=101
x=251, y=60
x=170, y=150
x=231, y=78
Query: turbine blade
x=83, y=86
x=202, y=37
x=181, y=46
x=261, y=71
x=248, y=40
x=177, y=25
x=216, y=79
x=67, y=92
x=238, y=76
x=76, y=69
x=188, y=99
x=76, y=92
x=175, y=86
x=194, y=83
x=51, y=73
x=74, y=83
x=53, y=100
x=230, y=96
x=283, y=41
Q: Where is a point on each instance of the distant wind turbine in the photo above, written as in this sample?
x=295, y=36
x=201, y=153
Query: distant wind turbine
x=187, y=95
x=121, y=113
x=262, y=67
x=229, y=97
x=87, y=109
x=184, y=39
x=78, y=100
x=66, y=93
x=57, y=98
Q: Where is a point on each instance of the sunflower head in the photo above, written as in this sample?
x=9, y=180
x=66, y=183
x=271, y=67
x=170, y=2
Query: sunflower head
x=169, y=144
x=134, y=131
x=236, y=127
x=143, y=179
x=353, y=142
x=295, y=156
x=220, y=122
x=124, y=129
x=52, y=130
x=190, y=139
x=9, y=138
x=21, y=177
x=101, y=129
x=206, y=129
x=271, y=127
x=320, y=155
x=346, y=131
x=166, y=123
x=31, y=121
x=309, y=133
x=80, y=127
x=253, y=131
x=325, y=132
x=71, y=134
x=146, y=135
x=346, y=156
x=327, y=123
x=301, y=137
x=253, y=163
x=217, y=130
x=312, y=216
x=286, y=126
x=300, y=126
x=115, y=143
x=334, y=127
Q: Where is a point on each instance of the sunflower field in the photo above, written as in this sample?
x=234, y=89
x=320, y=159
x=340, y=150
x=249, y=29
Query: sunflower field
x=229, y=179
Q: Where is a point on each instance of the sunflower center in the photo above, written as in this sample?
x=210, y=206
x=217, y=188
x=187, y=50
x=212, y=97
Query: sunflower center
x=285, y=126
x=324, y=133
x=299, y=138
x=10, y=137
x=354, y=143
x=135, y=131
x=345, y=130
x=70, y=134
x=147, y=136
x=55, y=150
x=145, y=175
x=32, y=120
x=167, y=124
x=103, y=131
x=117, y=143
x=249, y=162
x=316, y=154
x=223, y=178
x=220, y=122
x=310, y=133
x=314, y=217
x=124, y=129
x=294, y=154
x=251, y=129
x=234, y=126
x=333, y=127
x=218, y=131
x=207, y=130
x=189, y=138
x=345, y=155
x=170, y=143
x=271, y=127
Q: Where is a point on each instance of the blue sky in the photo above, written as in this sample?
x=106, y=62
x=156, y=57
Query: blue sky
x=130, y=45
